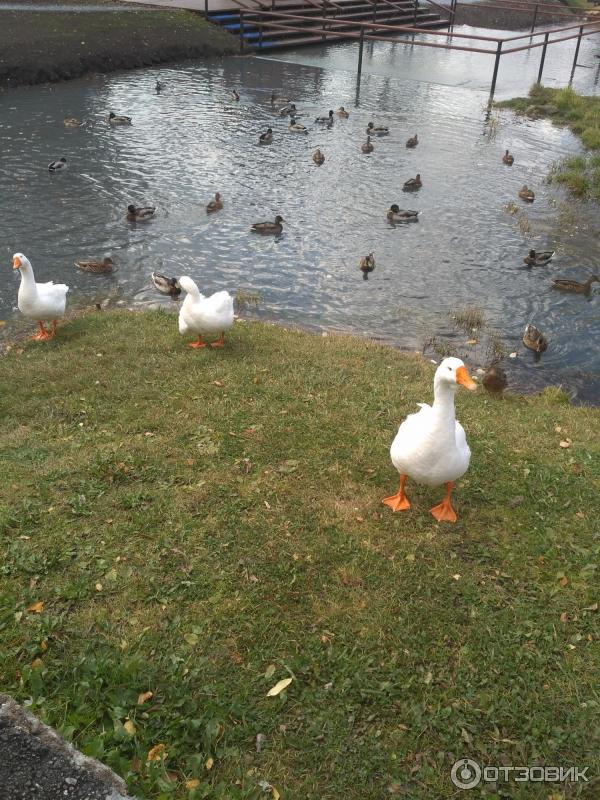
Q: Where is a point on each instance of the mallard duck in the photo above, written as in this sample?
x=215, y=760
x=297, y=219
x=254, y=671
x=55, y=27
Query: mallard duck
x=413, y=141
x=204, y=316
x=118, y=119
x=367, y=147
x=39, y=301
x=160, y=85
x=377, y=130
x=139, y=213
x=430, y=446
x=296, y=127
x=328, y=120
x=318, y=157
x=98, y=267
x=290, y=109
x=569, y=285
x=72, y=122
x=341, y=112
x=269, y=227
x=166, y=285
x=537, y=259
x=495, y=379
x=508, y=159
x=56, y=166
x=412, y=184
x=366, y=265
x=235, y=95
x=397, y=214
x=266, y=137
x=526, y=194
x=214, y=205
x=534, y=339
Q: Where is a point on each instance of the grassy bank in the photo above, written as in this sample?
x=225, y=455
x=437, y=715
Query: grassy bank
x=580, y=174
x=39, y=46
x=201, y=525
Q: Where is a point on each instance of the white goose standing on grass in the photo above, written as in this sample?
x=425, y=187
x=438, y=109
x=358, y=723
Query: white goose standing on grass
x=39, y=301
x=430, y=446
x=204, y=316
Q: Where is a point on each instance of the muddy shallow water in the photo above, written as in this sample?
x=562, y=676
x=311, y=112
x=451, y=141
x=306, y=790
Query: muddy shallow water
x=191, y=141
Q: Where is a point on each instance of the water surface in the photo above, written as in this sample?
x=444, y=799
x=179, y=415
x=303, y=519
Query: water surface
x=191, y=141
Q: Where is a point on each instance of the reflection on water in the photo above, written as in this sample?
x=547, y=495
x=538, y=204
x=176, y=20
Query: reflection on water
x=191, y=141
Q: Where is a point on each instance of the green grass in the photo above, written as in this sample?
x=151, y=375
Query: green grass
x=582, y=114
x=202, y=524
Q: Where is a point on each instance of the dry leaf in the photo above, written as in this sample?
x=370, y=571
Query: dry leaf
x=279, y=687
x=143, y=697
x=129, y=727
x=275, y=793
x=98, y=587
x=193, y=783
x=157, y=753
x=564, y=580
x=36, y=608
x=270, y=671
x=209, y=763
x=565, y=443
x=44, y=642
x=191, y=638
x=593, y=607
x=564, y=617
x=218, y=383
x=190, y=462
x=471, y=341
x=36, y=663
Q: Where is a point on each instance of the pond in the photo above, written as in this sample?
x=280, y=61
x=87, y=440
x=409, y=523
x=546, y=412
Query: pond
x=191, y=140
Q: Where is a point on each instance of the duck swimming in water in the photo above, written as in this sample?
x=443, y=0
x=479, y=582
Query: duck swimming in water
x=538, y=259
x=214, y=205
x=266, y=228
x=367, y=265
x=98, y=267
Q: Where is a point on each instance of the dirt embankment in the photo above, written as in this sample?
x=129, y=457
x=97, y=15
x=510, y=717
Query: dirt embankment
x=510, y=18
x=40, y=46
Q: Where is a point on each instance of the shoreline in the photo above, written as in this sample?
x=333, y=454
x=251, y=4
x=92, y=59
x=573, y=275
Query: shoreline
x=11, y=340
x=47, y=47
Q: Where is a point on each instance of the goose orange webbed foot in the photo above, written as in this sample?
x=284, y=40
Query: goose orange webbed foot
x=220, y=341
x=444, y=512
x=43, y=334
x=199, y=343
x=398, y=501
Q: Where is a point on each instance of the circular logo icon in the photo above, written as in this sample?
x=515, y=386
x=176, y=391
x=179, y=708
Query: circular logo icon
x=465, y=773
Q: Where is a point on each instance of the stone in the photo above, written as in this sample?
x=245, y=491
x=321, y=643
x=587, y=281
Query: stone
x=38, y=764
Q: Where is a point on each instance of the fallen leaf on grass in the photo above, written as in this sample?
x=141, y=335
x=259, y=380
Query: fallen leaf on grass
x=279, y=687
x=564, y=580
x=593, y=607
x=209, y=763
x=143, y=696
x=36, y=608
x=565, y=443
x=270, y=671
x=218, y=383
x=129, y=727
x=157, y=753
x=191, y=638
x=564, y=617
x=193, y=783
x=37, y=663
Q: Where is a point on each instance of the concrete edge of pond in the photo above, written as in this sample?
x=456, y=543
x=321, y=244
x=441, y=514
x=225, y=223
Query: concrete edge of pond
x=37, y=761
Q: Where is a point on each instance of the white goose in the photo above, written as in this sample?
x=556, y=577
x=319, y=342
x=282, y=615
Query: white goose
x=430, y=446
x=39, y=301
x=204, y=315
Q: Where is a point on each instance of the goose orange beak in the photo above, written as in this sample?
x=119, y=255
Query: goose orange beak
x=16, y=262
x=463, y=377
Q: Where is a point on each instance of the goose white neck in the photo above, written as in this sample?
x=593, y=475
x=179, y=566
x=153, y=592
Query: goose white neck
x=27, y=278
x=443, y=398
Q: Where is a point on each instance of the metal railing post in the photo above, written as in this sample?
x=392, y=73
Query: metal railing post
x=416, y=8
x=241, y=31
x=533, y=21
x=375, y=11
x=323, y=37
x=496, y=65
x=361, y=43
x=543, y=58
x=206, y=9
x=577, y=48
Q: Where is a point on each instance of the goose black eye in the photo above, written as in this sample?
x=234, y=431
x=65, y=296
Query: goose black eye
x=450, y=368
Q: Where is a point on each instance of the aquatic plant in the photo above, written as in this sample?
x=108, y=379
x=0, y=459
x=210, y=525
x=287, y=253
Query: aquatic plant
x=469, y=319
